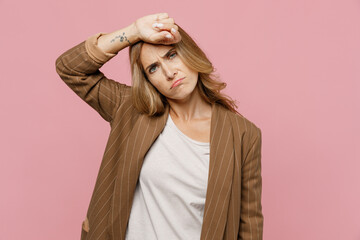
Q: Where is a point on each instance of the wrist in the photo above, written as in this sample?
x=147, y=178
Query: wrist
x=133, y=33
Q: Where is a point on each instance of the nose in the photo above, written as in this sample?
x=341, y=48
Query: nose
x=170, y=71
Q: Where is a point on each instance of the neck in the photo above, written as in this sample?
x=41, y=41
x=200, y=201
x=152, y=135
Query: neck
x=191, y=108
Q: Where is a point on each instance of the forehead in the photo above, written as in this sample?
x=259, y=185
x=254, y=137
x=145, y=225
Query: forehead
x=152, y=52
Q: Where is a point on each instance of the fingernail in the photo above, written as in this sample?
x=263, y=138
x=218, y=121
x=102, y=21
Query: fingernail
x=168, y=35
x=154, y=25
x=160, y=25
x=173, y=30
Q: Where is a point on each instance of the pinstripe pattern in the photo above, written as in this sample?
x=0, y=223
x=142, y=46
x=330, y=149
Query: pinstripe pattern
x=233, y=199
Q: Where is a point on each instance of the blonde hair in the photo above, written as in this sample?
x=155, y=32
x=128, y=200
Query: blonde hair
x=147, y=99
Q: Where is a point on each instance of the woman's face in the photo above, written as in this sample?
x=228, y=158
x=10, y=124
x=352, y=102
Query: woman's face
x=163, y=67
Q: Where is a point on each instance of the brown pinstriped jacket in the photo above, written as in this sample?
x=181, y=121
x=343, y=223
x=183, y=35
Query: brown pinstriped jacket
x=233, y=207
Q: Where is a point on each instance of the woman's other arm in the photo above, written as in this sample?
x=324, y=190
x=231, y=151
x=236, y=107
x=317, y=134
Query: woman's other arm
x=251, y=218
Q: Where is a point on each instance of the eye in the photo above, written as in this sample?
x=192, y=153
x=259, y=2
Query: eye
x=173, y=54
x=152, y=68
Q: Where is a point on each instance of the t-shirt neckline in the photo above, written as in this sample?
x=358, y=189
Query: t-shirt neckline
x=183, y=134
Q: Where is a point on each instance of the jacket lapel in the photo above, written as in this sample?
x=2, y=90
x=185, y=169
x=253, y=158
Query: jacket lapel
x=220, y=177
x=142, y=136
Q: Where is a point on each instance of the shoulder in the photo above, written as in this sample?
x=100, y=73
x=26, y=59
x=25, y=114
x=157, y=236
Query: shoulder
x=241, y=121
x=244, y=127
x=126, y=92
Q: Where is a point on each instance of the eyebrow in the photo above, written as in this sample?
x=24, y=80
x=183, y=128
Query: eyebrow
x=166, y=54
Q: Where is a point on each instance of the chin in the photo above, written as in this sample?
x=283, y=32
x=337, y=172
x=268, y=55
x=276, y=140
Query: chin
x=183, y=94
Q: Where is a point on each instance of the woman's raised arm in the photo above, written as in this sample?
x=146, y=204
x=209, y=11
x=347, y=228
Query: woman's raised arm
x=116, y=41
x=79, y=66
x=154, y=28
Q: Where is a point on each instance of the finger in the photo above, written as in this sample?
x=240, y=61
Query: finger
x=166, y=20
x=161, y=37
x=165, y=38
x=162, y=22
x=176, y=37
x=162, y=16
x=175, y=33
x=165, y=26
x=167, y=35
x=174, y=29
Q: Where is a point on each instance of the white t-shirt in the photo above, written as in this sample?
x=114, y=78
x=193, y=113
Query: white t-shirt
x=170, y=195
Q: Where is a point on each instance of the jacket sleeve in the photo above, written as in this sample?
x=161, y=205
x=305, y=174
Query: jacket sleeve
x=251, y=217
x=79, y=67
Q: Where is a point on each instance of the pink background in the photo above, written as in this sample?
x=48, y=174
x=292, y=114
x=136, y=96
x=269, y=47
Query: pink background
x=292, y=65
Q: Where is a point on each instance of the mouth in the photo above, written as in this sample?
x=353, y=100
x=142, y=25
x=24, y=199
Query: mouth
x=177, y=82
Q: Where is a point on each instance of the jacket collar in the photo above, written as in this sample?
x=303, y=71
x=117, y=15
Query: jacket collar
x=145, y=131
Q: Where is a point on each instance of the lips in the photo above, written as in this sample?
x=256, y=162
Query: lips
x=177, y=82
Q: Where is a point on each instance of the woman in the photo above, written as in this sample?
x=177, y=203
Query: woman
x=180, y=162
